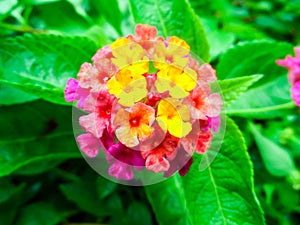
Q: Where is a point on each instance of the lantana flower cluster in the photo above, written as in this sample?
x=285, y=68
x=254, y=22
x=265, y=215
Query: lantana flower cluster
x=293, y=66
x=148, y=104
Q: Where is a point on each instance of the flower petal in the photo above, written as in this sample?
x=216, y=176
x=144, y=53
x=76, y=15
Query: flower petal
x=104, y=52
x=296, y=93
x=71, y=89
x=214, y=123
x=93, y=124
x=126, y=155
x=157, y=164
x=178, y=128
x=171, y=115
x=215, y=105
x=128, y=87
x=121, y=171
x=126, y=136
x=206, y=73
x=204, y=140
x=183, y=171
x=133, y=92
x=89, y=144
x=187, y=80
x=145, y=32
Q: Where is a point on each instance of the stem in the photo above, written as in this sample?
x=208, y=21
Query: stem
x=289, y=105
x=21, y=28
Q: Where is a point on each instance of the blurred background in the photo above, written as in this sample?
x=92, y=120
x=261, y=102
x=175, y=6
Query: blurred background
x=60, y=189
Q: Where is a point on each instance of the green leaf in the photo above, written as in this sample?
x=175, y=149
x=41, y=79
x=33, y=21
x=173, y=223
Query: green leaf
x=83, y=195
x=137, y=212
x=9, y=208
x=168, y=202
x=219, y=41
x=233, y=88
x=264, y=102
x=173, y=18
x=293, y=6
x=10, y=95
x=111, y=12
x=79, y=7
x=83, y=192
x=224, y=192
x=6, y=6
x=272, y=23
x=276, y=159
x=244, y=31
x=288, y=196
x=42, y=164
x=273, y=89
x=105, y=187
x=37, y=2
x=230, y=18
x=41, y=64
x=39, y=213
x=37, y=134
x=7, y=189
x=99, y=35
x=256, y=57
x=73, y=22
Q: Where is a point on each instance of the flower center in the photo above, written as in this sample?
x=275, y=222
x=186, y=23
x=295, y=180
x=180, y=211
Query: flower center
x=135, y=121
x=169, y=59
x=197, y=103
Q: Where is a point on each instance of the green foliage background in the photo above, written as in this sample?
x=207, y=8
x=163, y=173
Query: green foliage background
x=254, y=179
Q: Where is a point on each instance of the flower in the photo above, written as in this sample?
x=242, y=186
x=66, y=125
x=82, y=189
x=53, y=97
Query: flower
x=71, y=89
x=293, y=66
x=144, y=33
x=126, y=155
x=199, y=139
x=100, y=106
x=176, y=81
x=296, y=93
x=121, y=171
x=205, y=72
x=74, y=92
x=202, y=104
x=128, y=87
x=174, y=116
x=176, y=165
x=129, y=84
x=148, y=105
x=157, y=159
x=128, y=54
x=89, y=144
x=134, y=124
x=174, y=52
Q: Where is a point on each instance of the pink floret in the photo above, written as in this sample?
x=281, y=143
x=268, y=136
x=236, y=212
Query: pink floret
x=214, y=123
x=145, y=32
x=71, y=89
x=121, y=171
x=104, y=52
x=293, y=65
x=296, y=93
x=89, y=144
